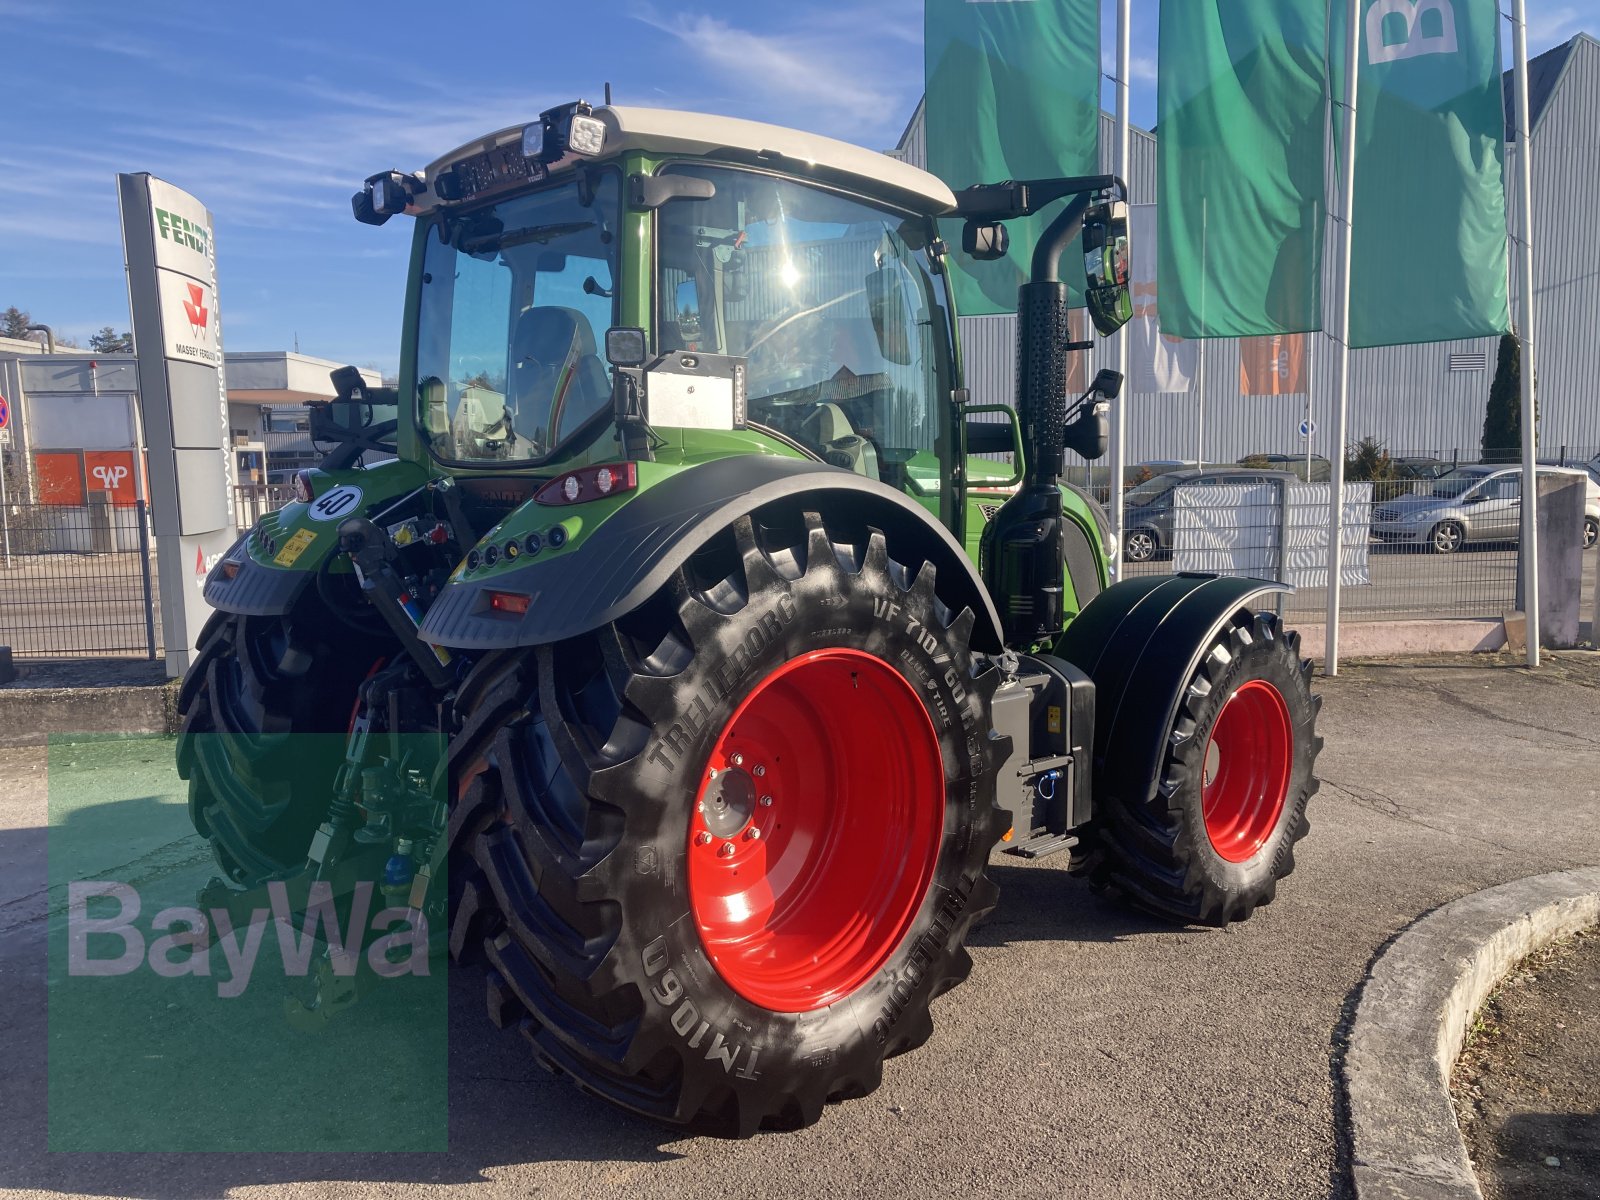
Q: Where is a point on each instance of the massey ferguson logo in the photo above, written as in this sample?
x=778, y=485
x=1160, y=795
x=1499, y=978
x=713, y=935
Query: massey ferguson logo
x=195, y=309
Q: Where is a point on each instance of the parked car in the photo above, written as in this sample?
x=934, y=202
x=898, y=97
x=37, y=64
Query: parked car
x=1308, y=468
x=1472, y=504
x=1147, y=509
x=1426, y=469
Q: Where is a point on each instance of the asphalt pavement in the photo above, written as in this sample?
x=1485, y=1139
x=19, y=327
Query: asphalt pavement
x=1094, y=1052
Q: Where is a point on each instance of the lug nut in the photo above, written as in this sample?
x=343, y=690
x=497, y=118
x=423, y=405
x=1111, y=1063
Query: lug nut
x=766, y=802
x=726, y=851
x=752, y=834
x=700, y=807
x=760, y=771
x=736, y=759
x=702, y=838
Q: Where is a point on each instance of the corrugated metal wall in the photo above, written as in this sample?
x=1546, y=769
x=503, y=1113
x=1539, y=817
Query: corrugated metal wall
x=1405, y=396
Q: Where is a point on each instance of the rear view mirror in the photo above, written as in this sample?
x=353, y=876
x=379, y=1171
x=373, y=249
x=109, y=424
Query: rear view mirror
x=1090, y=434
x=985, y=242
x=686, y=303
x=889, y=302
x=1105, y=265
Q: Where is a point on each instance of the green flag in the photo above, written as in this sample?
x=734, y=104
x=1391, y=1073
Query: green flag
x=1240, y=100
x=1013, y=92
x=1428, y=238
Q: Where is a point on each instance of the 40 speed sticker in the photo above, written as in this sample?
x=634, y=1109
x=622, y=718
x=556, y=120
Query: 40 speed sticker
x=340, y=502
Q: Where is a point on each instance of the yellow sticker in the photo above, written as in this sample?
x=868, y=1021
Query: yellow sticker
x=295, y=547
x=1052, y=718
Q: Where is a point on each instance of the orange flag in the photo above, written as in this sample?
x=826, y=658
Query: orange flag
x=1273, y=365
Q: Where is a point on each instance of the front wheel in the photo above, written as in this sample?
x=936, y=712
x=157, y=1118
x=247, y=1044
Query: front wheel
x=1447, y=537
x=1209, y=838
x=1591, y=532
x=1141, y=546
x=721, y=855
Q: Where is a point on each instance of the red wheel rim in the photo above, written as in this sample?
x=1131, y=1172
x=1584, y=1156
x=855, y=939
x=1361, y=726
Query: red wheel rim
x=816, y=830
x=1247, y=763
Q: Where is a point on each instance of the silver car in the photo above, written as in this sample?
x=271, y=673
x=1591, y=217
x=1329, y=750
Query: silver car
x=1472, y=504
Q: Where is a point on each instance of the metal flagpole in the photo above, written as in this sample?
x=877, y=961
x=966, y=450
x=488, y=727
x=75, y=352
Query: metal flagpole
x=1529, y=548
x=1341, y=361
x=1119, y=437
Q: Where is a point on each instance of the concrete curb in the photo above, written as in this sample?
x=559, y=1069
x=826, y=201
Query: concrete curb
x=1416, y=1004
x=29, y=716
x=1382, y=639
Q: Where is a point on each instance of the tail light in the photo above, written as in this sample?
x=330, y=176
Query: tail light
x=589, y=483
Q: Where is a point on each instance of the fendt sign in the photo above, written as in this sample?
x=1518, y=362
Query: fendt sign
x=172, y=286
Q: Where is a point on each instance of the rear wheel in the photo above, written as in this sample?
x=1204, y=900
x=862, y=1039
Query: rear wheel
x=1210, y=840
x=1591, y=532
x=257, y=789
x=720, y=855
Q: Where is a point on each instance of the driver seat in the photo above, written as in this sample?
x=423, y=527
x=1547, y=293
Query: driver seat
x=550, y=339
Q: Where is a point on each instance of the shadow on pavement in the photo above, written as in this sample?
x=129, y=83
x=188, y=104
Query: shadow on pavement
x=1045, y=904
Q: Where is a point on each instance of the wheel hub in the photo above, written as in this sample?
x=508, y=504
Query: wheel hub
x=815, y=834
x=730, y=802
x=1246, y=769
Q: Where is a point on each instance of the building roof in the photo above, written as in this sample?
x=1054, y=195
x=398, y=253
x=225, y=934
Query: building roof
x=1544, y=76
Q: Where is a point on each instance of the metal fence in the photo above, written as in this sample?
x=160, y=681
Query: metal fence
x=1408, y=553
x=253, y=500
x=77, y=581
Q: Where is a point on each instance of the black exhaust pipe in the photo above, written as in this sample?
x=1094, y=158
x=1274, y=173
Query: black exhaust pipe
x=1020, y=553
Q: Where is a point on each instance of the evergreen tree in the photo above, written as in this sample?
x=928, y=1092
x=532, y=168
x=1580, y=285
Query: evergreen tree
x=109, y=341
x=1502, y=420
x=14, y=323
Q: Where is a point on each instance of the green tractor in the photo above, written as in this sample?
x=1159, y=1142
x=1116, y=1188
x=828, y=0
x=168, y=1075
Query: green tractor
x=682, y=543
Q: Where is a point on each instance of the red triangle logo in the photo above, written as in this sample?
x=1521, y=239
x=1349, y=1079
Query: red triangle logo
x=199, y=562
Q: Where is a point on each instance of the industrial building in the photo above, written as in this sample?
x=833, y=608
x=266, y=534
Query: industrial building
x=1424, y=400
x=73, y=420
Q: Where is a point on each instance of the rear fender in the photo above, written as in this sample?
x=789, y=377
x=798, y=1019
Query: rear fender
x=1141, y=642
x=634, y=552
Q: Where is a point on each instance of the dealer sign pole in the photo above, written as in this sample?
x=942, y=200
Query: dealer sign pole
x=172, y=294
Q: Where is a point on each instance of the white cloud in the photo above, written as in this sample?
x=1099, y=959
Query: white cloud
x=831, y=67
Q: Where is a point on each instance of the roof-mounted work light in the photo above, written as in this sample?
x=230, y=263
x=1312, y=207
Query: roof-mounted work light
x=569, y=128
x=384, y=195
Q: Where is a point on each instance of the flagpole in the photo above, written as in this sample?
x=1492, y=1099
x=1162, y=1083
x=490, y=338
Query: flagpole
x=1341, y=361
x=1529, y=548
x=1119, y=429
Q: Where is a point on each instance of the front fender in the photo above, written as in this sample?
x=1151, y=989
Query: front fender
x=268, y=580
x=634, y=552
x=1141, y=642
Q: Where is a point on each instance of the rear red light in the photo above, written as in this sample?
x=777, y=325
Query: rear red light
x=303, y=491
x=509, y=602
x=589, y=483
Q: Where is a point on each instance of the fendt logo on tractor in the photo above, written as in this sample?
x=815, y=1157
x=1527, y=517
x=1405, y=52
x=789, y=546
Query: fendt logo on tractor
x=688, y=650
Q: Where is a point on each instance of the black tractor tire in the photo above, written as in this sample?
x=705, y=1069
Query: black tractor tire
x=257, y=788
x=576, y=771
x=1447, y=537
x=1155, y=848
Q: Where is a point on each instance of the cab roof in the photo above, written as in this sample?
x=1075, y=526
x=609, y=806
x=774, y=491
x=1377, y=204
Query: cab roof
x=667, y=131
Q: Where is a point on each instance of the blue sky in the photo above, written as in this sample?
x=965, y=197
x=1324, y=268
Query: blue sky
x=273, y=113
